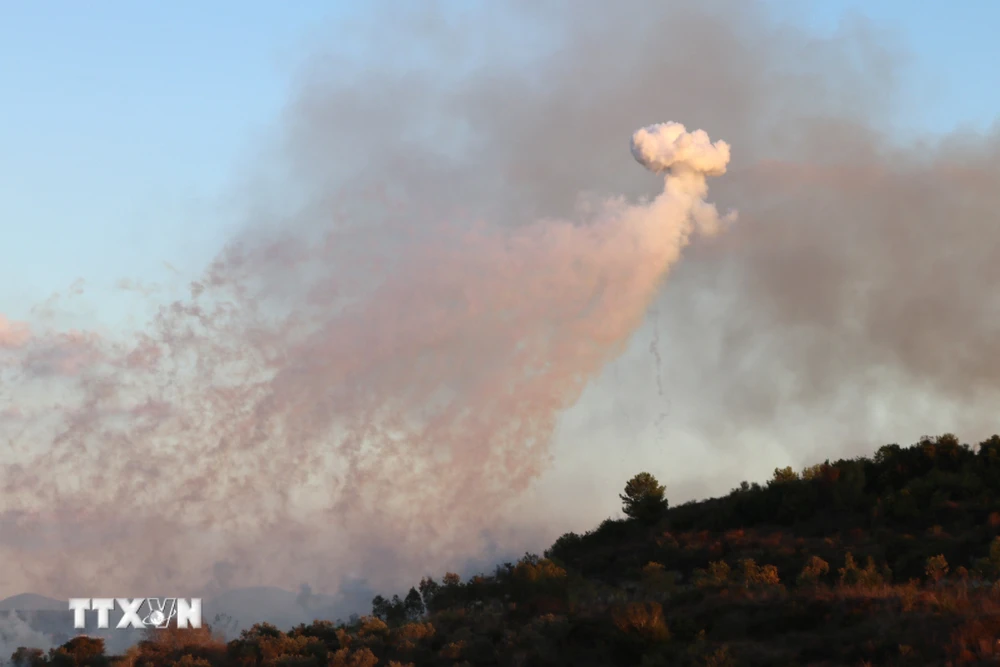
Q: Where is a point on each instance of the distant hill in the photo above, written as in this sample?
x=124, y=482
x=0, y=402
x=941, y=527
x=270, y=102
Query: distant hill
x=261, y=603
x=32, y=602
x=277, y=606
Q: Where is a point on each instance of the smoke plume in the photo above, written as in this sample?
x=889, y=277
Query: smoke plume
x=16, y=632
x=289, y=402
x=406, y=343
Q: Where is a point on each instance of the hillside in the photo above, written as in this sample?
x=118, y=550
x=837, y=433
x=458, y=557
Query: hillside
x=33, y=602
x=884, y=560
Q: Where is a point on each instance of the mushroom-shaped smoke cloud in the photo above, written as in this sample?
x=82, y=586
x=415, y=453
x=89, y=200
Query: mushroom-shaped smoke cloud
x=669, y=147
x=686, y=158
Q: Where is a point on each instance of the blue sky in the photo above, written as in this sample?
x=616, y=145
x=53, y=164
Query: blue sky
x=953, y=78
x=121, y=126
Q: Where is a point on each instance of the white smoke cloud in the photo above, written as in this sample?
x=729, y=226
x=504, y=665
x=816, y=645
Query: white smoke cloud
x=686, y=158
x=16, y=632
x=376, y=436
x=670, y=147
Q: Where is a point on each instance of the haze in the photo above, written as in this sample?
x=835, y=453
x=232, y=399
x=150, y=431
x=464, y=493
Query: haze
x=433, y=314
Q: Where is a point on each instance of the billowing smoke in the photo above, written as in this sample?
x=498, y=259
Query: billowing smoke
x=314, y=397
x=669, y=147
x=441, y=254
x=16, y=632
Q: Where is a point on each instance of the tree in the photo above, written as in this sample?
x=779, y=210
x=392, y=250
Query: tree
x=717, y=574
x=783, y=476
x=428, y=589
x=644, y=499
x=381, y=608
x=28, y=657
x=754, y=575
x=413, y=605
x=815, y=569
x=81, y=651
x=937, y=568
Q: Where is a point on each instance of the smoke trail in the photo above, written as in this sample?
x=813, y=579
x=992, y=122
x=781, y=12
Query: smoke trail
x=654, y=349
x=397, y=388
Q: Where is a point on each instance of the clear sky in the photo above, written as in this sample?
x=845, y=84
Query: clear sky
x=953, y=75
x=121, y=123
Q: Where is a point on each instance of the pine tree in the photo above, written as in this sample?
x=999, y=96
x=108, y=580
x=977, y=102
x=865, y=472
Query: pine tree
x=644, y=499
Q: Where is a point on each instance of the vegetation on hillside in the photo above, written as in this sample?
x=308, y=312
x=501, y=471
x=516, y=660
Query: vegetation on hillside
x=887, y=560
